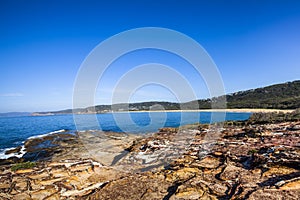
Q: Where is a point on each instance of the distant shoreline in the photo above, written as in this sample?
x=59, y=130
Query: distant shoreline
x=246, y=110
x=236, y=110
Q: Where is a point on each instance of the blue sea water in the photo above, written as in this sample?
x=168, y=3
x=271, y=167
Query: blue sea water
x=15, y=130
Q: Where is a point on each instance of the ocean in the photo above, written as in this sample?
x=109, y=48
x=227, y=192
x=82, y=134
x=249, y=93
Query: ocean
x=15, y=130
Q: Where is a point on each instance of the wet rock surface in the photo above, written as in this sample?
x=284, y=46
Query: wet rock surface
x=245, y=161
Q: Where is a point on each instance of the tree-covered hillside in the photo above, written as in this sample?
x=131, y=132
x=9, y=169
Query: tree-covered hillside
x=279, y=96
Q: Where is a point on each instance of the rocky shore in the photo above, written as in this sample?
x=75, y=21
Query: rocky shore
x=255, y=159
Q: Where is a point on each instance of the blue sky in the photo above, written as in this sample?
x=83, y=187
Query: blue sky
x=43, y=43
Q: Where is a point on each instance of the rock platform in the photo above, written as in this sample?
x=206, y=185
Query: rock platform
x=244, y=161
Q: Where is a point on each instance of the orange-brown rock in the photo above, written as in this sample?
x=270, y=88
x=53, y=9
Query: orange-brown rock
x=248, y=161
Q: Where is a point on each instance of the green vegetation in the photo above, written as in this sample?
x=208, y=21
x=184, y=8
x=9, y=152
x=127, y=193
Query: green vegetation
x=279, y=96
x=24, y=165
x=252, y=151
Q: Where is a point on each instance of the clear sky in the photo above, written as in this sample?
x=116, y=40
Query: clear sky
x=43, y=43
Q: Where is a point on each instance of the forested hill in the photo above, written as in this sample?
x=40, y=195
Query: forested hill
x=279, y=96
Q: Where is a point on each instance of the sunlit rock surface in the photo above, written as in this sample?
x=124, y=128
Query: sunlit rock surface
x=245, y=161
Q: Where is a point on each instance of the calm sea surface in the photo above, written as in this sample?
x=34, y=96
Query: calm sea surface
x=15, y=130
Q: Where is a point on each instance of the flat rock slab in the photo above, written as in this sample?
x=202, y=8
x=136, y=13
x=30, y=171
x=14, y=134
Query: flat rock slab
x=245, y=162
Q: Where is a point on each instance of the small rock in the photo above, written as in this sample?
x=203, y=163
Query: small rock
x=182, y=174
x=82, y=192
x=274, y=194
x=14, y=150
x=219, y=189
x=294, y=185
x=42, y=194
x=231, y=172
x=23, y=171
x=295, y=128
x=279, y=171
x=39, y=176
x=218, y=153
x=208, y=162
x=188, y=193
x=22, y=196
x=280, y=183
x=51, y=181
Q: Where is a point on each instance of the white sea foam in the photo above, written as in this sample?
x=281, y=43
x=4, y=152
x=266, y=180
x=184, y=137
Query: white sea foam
x=50, y=133
x=18, y=154
x=22, y=151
